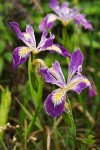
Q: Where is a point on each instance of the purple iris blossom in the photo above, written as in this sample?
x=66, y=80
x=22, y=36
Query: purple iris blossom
x=56, y=101
x=65, y=15
x=21, y=53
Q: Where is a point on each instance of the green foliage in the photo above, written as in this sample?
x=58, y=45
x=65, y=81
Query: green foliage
x=5, y=102
x=89, y=140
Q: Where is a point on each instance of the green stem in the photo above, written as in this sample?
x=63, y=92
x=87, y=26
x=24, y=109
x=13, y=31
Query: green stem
x=33, y=92
x=31, y=125
x=36, y=97
x=65, y=37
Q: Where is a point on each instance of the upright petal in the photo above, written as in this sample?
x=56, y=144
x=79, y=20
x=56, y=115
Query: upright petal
x=56, y=69
x=48, y=76
x=45, y=42
x=80, y=19
x=20, y=55
x=64, y=5
x=59, y=49
x=43, y=38
x=55, y=102
x=75, y=63
x=64, y=8
x=16, y=28
x=54, y=75
x=30, y=36
x=78, y=83
x=54, y=4
x=47, y=22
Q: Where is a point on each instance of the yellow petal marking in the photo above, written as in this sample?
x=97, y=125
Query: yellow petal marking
x=26, y=35
x=23, y=52
x=86, y=81
x=58, y=96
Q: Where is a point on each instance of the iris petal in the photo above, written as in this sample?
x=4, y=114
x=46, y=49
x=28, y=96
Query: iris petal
x=80, y=19
x=45, y=42
x=54, y=75
x=30, y=32
x=20, y=55
x=52, y=109
x=59, y=49
x=27, y=37
x=16, y=28
x=75, y=63
x=47, y=22
x=78, y=83
x=54, y=5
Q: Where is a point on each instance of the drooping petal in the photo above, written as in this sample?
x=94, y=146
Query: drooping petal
x=91, y=91
x=54, y=5
x=80, y=19
x=75, y=63
x=27, y=37
x=20, y=55
x=16, y=28
x=55, y=102
x=45, y=42
x=78, y=83
x=59, y=49
x=54, y=75
x=47, y=22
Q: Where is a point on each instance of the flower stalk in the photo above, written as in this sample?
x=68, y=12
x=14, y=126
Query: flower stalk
x=36, y=97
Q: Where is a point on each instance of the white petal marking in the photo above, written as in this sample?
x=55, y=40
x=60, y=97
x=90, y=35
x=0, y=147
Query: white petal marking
x=54, y=48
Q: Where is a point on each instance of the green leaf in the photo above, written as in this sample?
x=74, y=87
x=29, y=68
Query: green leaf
x=68, y=118
x=40, y=91
x=89, y=140
x=34, y=80
x=4, y=108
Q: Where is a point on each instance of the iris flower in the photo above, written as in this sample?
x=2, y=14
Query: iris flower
x=21, y=53
x=56, y=101
x=65, y=15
